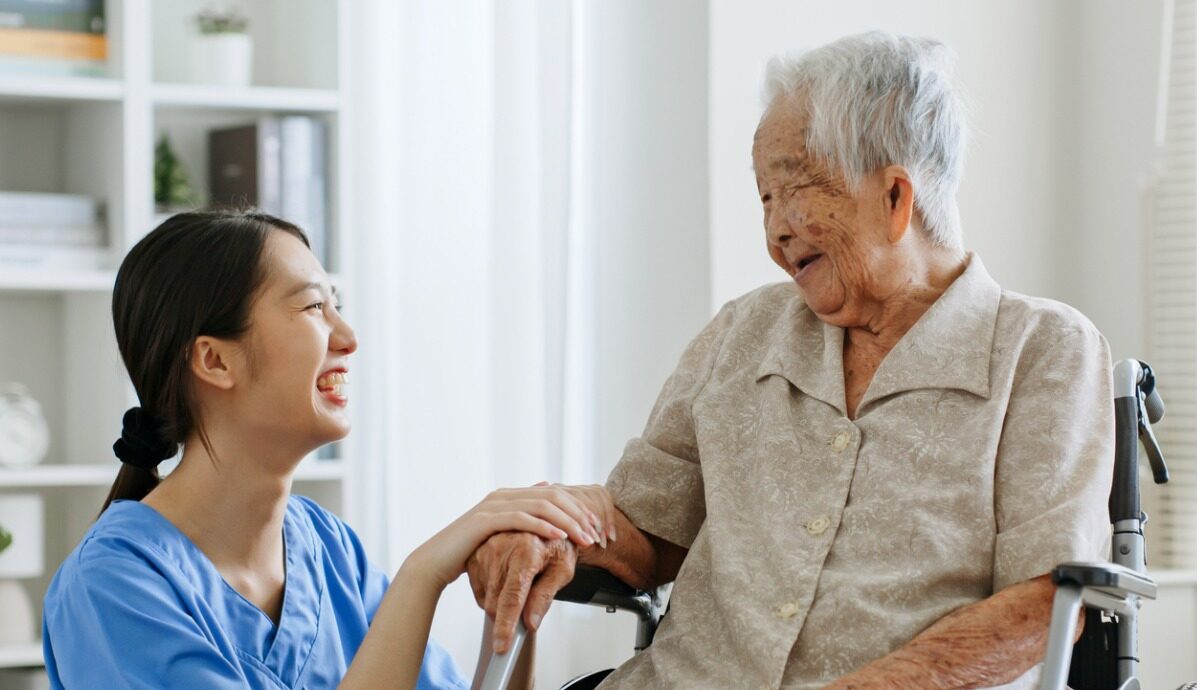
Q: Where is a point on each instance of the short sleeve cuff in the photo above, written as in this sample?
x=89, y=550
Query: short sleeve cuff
x=1071, y=532
x=659, y=492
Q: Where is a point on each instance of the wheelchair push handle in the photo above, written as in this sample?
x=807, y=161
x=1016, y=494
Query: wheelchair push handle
x=1137, y=405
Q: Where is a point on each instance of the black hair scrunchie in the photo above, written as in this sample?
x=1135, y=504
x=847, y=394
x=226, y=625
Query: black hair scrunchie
x=142, y=443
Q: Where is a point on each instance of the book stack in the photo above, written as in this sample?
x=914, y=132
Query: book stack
x=53, y=37
x=279, y=165
x=51, y=231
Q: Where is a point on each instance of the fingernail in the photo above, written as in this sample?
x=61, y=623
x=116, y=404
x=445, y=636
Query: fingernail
x=536, y=620
x=612, y=533
x=497, y=646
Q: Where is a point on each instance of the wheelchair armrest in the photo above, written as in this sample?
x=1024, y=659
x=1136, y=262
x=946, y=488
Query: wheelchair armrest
x=1108, y=577
x=590, y=582
x=599, y=587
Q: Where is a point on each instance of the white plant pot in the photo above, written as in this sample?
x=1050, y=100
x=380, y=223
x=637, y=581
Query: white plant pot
x=19, y=623
x=222, y=59
x=22, y=515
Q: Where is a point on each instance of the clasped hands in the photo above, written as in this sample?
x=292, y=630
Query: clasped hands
x=520, y=572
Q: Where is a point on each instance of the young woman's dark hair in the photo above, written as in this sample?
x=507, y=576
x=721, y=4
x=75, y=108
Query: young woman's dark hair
x=196, y=274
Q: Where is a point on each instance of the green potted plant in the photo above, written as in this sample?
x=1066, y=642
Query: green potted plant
x=222, y=50
x=172, y=189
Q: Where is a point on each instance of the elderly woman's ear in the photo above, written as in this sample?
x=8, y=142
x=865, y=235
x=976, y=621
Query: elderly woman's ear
x=899, y=191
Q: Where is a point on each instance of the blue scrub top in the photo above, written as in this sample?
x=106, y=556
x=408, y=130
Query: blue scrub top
x=137, y=605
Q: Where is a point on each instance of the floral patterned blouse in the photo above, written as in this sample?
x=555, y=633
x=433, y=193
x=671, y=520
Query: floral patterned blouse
x=981, y=456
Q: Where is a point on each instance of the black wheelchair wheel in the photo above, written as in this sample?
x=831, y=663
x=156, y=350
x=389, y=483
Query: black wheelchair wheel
x=587, y=681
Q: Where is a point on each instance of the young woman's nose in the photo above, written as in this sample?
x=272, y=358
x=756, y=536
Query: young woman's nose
x=342, y=339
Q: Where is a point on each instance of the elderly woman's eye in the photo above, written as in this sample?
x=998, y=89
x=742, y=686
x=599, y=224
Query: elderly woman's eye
x=316, y=305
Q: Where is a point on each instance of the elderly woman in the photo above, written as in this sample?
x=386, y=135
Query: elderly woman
x=861, y=477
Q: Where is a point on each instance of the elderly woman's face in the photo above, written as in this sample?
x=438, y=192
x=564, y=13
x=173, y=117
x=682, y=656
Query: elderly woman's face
x=830, y=241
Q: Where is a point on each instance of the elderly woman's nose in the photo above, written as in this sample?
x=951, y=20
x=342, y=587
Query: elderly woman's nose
x=779, y=229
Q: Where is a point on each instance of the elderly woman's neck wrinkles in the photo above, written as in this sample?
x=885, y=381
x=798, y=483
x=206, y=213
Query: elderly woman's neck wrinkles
x=887, y=319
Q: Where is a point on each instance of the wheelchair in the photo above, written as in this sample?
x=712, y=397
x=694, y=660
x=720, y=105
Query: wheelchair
x=1104, y=658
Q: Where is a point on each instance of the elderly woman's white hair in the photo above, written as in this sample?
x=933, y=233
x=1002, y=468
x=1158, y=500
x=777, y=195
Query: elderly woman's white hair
x=877, y=99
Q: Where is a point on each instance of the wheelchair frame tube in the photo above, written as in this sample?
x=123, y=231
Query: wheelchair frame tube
x=1067, y=601
x=501, y=666
x=1124, y=504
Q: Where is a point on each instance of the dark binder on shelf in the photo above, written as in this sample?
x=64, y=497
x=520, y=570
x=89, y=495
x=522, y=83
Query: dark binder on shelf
x=243, y=166
x=277, y=164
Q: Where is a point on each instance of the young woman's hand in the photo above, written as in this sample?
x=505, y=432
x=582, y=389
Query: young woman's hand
x=550, y=512
x=596, y=499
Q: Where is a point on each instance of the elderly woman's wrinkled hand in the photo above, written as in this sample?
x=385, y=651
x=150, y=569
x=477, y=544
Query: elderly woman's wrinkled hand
x=515, y=572
x=519, y=572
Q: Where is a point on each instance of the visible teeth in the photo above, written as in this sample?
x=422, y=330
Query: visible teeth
x=336, y=379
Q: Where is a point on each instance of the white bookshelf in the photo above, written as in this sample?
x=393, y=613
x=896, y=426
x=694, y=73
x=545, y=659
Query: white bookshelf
x=96, y=136
x=264, y=98
x=61, y=89
x=57, y=280
x=103, y=474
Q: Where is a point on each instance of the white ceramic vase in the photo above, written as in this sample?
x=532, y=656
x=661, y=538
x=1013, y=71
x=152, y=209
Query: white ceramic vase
x=222, y=59
x=20, y=622
x=22, y=515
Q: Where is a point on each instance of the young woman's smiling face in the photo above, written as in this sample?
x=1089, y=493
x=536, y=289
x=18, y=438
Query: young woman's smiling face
x=297, y=350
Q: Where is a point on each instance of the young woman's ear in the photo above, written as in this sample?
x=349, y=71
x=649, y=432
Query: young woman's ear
x=211, y=361
x=899, y=202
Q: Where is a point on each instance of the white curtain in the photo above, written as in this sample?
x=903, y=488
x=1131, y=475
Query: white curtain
x=470, y=291
x=501, y=196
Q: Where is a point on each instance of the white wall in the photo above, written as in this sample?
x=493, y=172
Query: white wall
x=1109, y=132
x=651, y=190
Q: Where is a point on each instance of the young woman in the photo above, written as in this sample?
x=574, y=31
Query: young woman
x=215, y=577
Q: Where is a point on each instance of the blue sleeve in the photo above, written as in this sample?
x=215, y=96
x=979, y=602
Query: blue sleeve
x=116, y=623
x=439, y=672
